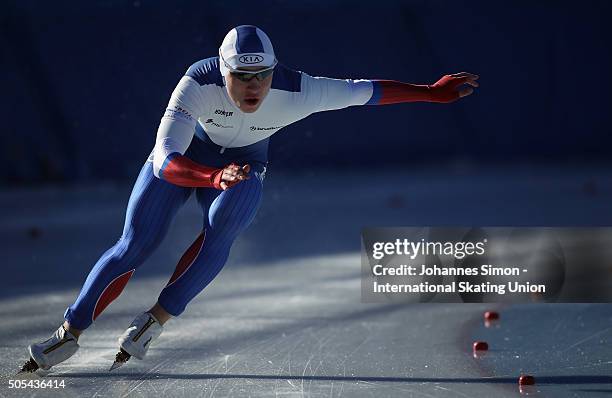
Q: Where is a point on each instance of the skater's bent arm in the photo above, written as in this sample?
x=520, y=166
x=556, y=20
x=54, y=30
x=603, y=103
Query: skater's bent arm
x=169, y=162
x=174, y=135
x=327, y=94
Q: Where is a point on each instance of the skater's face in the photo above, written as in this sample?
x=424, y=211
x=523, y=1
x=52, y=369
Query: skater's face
x=248, y=95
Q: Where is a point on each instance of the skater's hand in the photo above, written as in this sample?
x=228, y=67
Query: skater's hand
x=233, y=174
x=445, y=89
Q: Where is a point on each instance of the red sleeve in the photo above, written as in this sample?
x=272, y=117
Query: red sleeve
x=180, y=170
x=393, y=92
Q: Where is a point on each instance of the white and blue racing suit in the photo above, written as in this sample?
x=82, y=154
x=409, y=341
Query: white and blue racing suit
x=203, y=124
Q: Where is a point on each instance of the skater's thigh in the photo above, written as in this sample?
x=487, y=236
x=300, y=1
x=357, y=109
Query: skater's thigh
x=205, y=197
x=153, y=203
x=234, y=209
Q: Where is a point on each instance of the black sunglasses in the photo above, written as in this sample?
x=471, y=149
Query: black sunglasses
x=248, y=76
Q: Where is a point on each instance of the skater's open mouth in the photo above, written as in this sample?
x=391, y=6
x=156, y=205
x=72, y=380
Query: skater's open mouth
x=251, y=101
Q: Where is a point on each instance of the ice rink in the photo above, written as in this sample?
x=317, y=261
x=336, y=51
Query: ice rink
x=284, y=317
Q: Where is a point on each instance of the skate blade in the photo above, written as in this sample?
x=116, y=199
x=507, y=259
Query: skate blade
x=120, y=359
x=28, y=368
x=116, y=365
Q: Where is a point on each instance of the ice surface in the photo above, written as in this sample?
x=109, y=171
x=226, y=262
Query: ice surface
x=284, y=318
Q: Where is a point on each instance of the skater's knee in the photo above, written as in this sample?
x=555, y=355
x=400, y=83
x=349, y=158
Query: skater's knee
x=233, y=217
x=135, y=245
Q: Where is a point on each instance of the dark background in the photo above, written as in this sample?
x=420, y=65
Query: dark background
x=85, y=83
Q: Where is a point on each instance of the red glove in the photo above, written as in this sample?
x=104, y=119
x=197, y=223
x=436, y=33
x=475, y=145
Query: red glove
x=445, y=89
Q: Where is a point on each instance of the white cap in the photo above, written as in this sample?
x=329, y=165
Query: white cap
x=246, y=45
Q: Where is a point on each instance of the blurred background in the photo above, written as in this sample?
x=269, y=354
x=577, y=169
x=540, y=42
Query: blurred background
x=85, y=83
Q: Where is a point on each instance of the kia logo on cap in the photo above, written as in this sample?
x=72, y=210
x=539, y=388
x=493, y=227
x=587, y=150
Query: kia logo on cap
x=251, y=59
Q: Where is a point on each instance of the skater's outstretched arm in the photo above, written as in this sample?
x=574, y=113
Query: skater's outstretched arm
x=448, y=88
x=324, y=93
